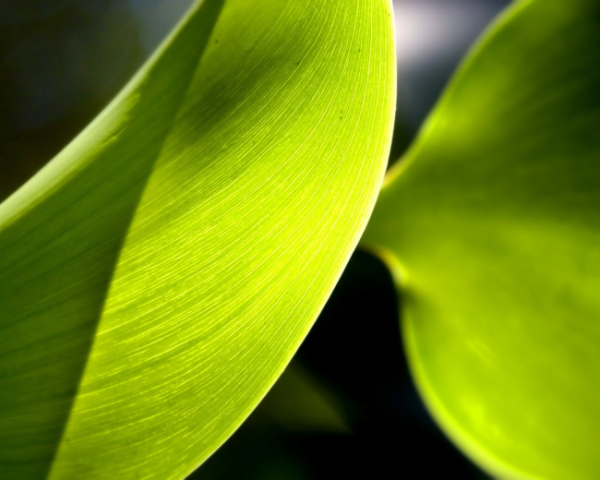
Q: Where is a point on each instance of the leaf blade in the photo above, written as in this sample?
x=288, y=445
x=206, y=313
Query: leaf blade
x=257, y=195
x=491, y=228
x=63, y=273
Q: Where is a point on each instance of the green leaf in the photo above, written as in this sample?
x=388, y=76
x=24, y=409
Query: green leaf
x=492, y=227
x=157, y=276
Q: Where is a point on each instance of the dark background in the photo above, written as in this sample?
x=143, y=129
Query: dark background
x=348, y=408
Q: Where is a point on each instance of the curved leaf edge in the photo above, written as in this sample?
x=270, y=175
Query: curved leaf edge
x=394, y=174
x=58, y=169
x=353, y=241
x=401, y=276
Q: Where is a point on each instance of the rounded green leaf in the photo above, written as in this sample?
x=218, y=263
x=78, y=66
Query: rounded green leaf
x=492, y=226
x=157, y=276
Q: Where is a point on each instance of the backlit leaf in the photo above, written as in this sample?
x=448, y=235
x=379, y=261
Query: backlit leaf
x=157, y=276
x=492, y=225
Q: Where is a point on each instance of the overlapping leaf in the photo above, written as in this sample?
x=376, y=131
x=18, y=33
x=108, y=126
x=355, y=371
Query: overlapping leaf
x=492, y=224
x=158, y=275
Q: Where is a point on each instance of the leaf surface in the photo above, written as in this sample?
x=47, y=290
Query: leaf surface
x=157, y=276
x=492, y=227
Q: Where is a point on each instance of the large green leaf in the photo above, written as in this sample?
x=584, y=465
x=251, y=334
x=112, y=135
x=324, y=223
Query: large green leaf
x=157, y=276
x=492, y=226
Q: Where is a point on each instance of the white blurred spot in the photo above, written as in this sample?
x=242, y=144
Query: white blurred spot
x=432, y=36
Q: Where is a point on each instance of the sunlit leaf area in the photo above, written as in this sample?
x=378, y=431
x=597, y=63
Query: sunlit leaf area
x=276, y=240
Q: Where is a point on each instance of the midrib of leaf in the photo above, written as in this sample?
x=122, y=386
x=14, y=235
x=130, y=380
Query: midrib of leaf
x=238, y=352
x=198, y=22
x=62, y=192
x=244, y=218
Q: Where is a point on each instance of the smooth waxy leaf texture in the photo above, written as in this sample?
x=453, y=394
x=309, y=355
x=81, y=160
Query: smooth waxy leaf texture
x=159, y=273
x=492, y=227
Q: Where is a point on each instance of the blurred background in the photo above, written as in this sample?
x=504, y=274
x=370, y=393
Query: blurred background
x=346, y=407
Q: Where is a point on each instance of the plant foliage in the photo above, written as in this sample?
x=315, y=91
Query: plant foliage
x=491, y=227
x=157, y=276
